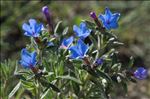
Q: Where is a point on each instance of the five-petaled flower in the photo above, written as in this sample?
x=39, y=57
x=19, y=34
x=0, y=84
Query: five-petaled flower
x=109, y=20
x=79, y=50
x=140, y=73
x=82, y=31
x=28, y=60
x=33, y=29
x=66, y=42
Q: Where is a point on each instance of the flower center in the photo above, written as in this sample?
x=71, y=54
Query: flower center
x=108, y=22
x=33, y=32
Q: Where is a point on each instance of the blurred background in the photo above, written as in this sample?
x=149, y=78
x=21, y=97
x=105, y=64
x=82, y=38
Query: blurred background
x=134, y=30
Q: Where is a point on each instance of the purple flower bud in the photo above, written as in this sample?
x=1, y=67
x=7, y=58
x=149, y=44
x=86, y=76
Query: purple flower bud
x=93, y=15
x=99, y=61
x=140, y=73
x=47, y=14
x=45, y=11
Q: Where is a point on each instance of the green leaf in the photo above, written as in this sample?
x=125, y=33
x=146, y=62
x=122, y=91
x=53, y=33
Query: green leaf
x=77, y=61
x=76, y=88
x=45, y=93
x=70, y=78
x=49, y=85
x=19, y=76
x=131, y=61
x=15, y=89
x=65, y=31
x=91, y=25
x=54, y=87
x=116, y=43
x=116, y=67
x=28, y=85
x=57, y=26
x=93, y=40
x=104, y=75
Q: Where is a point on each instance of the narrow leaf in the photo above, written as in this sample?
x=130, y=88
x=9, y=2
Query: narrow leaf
x=91, y=25
x=65, y=31
x=14, y=90
x=70, y=78
x=104, y=75
x=49, y=85
x=45, y=93
x=131, y=62
x=56, y=28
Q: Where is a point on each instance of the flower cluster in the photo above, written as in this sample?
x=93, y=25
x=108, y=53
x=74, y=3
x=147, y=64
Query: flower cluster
x=78, y=51
x=98, y=58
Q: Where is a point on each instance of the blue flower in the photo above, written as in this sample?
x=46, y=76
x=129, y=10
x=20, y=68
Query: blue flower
x=33, y=29
x=28, y=60
x=66, y=42
x=109, y=20
x=79, y=50
x=140, y=73
x=81, y=31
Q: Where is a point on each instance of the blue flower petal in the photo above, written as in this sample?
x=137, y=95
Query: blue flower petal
x=113, y=25
x=82, y=25
x=79, y=50
x=26, y=28
x=108, y=13
x=67, y=42
x=74, y=52
x=50, y=44
x=77, y=30
x=102, y=18
x=141, y=73
x=25, y=56
x=38, y=28
x=83, y=48
x=33, y=56
x=107, y=26
x=33, y=24
x=28, y=60
x=115, y=17
x=24, y=64
x=82, y=31
x=27, y=34
x=83, y=36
